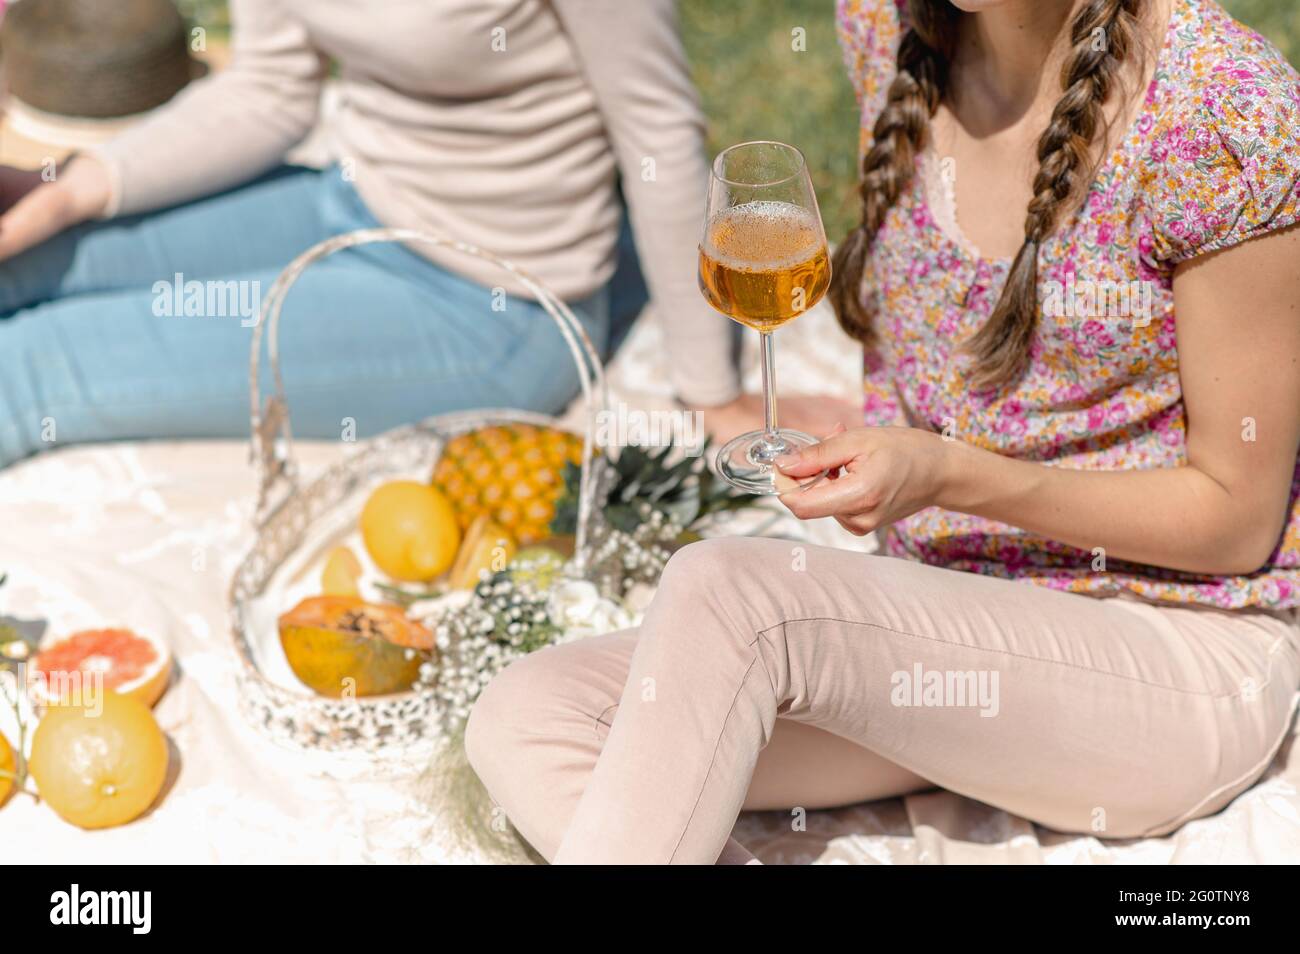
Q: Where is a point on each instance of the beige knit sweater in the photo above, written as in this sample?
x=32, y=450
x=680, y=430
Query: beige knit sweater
x=504, y=123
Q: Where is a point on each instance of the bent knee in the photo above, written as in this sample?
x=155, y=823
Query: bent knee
x=544, y=696
x=722, y=564
x=732, y=585
x=498, y=716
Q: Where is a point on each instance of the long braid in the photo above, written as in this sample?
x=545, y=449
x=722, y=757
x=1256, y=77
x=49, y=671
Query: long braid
x=897, y=137
x=1001, y=347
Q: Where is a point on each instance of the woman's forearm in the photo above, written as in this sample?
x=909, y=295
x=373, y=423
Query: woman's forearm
x=1178, y=518
x=633, y=58
x=228, y=128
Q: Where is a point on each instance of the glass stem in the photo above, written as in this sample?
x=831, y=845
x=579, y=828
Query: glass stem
x=770, y=436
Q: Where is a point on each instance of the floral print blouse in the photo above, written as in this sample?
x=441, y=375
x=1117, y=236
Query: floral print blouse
x=1212, y=159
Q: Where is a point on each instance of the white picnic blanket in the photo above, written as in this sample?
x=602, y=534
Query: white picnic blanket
x=147, y=534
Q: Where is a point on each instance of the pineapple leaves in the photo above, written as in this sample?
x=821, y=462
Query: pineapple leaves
x=640, y=481
x=565, y=520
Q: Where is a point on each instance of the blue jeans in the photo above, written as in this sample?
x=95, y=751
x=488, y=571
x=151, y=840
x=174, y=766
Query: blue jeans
x=377, y=333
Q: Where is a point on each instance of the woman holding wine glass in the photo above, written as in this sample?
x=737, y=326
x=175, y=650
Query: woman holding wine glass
x=763, y=261
x=1086, y=507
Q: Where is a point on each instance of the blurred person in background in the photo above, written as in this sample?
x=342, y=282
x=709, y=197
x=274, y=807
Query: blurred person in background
x=527, y=128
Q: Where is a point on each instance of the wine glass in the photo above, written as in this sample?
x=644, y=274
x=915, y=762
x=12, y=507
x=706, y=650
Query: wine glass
x=763, y=262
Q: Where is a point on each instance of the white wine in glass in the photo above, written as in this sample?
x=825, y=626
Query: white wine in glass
x=763, y=262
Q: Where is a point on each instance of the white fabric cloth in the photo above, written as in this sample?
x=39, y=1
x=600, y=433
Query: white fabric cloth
x=146, y=535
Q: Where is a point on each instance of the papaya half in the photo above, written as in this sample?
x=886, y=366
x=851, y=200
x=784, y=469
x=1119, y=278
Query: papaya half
x=344, y=646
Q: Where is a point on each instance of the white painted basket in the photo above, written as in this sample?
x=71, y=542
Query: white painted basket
x=296, y=520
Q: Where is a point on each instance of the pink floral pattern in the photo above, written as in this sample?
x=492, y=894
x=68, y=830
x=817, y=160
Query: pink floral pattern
x=1212, y=159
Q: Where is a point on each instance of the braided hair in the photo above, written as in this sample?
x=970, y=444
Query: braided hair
x=1001, y=346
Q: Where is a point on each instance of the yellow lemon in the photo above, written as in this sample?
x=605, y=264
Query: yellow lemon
x=410, y=530
x=8, y=767
x=341, y=573
x=101, y=763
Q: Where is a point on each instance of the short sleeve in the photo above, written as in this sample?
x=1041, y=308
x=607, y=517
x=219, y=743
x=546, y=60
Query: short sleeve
x=1224, y=166
x=869, y=33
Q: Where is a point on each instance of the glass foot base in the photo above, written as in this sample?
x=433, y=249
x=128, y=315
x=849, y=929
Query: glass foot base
x=746, y=462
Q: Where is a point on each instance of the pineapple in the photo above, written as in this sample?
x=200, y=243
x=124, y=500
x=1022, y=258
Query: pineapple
x=512, y=472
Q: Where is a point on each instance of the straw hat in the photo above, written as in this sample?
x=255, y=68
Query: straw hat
x=94, y=59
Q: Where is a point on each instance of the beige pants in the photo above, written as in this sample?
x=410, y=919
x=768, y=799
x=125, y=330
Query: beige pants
x=772, y=675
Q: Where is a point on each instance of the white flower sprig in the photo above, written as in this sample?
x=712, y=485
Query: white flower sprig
x=530, y=605
x=577, y=607
x=508, y=615
x=620, y=559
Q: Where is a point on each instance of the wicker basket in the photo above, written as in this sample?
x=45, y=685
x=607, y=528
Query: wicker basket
x=295, y=521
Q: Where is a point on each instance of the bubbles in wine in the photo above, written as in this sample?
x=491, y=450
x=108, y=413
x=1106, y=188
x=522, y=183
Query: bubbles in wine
x=763, y=263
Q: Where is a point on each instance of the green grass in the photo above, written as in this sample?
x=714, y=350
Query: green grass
x=1279, y=20
x=756, y=86
x=212, y=15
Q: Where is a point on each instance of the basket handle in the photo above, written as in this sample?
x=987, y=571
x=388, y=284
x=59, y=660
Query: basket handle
x=272, y=437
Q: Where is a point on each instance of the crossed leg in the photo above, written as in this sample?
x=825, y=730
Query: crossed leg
x=537, y=757
x=758, y=681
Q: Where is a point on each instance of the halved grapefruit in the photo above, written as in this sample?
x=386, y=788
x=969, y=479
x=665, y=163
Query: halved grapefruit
x=130, y=664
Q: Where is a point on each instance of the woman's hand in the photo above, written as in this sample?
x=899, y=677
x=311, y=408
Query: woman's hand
x=814, y=414
x=32, y=209
x=878, y=475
